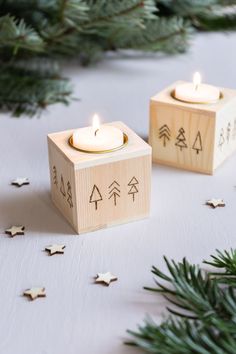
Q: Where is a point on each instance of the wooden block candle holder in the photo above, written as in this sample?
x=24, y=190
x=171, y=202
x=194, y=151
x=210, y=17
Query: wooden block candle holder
x=192, y=136
x=97, y=190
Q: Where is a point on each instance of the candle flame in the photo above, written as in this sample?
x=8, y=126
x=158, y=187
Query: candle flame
x=96, y=123
x=196, y=80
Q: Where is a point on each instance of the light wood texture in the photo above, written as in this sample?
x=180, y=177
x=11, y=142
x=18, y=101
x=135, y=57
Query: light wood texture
x=34, y=293
x=62, y=177
x=105, y=278
x=196, y=137
x=15, y=230
x=214, y=203
x=20, y=181
x=104, y=189
x=55, y=249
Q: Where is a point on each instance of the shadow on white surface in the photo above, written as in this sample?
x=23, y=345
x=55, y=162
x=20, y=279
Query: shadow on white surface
x=36, y=212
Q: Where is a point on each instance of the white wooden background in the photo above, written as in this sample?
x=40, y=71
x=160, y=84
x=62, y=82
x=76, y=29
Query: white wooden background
x=78, y=316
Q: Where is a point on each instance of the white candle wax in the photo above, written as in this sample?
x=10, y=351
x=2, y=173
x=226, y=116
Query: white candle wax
x=197, y=92
x=95, y=139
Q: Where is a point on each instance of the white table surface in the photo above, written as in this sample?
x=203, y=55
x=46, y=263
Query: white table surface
x=78, y=316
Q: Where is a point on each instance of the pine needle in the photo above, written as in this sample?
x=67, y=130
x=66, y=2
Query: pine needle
x=203, y=308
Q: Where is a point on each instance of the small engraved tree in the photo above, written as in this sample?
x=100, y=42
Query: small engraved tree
x=222, y=139
x=114, y=191
x=181, y=140
x=133, y=187
x=54, y=176
x=69, y=195
x=228, y=132
x=95, y=196
x=164, y=134
x=234, y=129
x=62, y=188
x=197, y=145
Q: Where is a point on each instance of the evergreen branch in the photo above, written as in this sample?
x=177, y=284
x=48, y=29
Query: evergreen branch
x=102, y=11
x=15, y=34
x=191, y=288
x=226, y=261
x=204, y=321
x=185, y=8
x=182, y=336
x=73, y=12
x=218, y=19
x=28, y=91
x=166, y=35
x=210, y=15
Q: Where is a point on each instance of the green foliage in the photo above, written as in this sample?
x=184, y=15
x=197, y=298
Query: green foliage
x=227, y=261
x=208, y=15
x=84, y=29
x=30, y=90
x=15, y=34
x=202, y=319
x=160, y=35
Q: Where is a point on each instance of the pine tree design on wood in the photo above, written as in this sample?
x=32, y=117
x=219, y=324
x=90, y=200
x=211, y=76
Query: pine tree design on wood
x=95, y=196
x=62, y=187
x=114, y=191
x=181, y=140
x=222, y=139
x=164, y=134
x=234, y=130
x=69, y=195
x=228, y=132
x=197, y=145
x=54, y=176
x=133, y=187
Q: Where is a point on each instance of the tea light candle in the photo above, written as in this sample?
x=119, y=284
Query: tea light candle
x=196, y=92
x=98, y=138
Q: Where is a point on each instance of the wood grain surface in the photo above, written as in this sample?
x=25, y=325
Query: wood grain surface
x=195, y=137
x=95, y=191
x=78, y=316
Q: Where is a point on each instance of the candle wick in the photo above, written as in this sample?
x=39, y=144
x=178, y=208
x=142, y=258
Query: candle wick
x=95, y=133
x=196, y=87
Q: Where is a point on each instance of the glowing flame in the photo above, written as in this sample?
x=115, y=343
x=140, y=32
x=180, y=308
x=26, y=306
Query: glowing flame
x=96, y=123
x=197, y=80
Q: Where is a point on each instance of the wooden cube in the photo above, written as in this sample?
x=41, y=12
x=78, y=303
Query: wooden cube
x=94, y=191
x=196, y=137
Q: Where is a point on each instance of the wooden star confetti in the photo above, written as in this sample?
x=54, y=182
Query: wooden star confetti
x=55, y=249
x=19, y=182
x=105, y=278
x=33, y=293
x=214, y=203
x=15, y=230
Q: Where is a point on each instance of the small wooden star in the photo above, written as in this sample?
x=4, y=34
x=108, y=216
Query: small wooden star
x=19, y=182
x=214, y=203
x=33, y=293
x=15, y=230
x=105, y=278
x=55, y=249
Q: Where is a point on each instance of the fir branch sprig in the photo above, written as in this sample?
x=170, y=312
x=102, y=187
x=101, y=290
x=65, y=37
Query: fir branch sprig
x=15, y=34
x=226, y=262
x=202, y=309
x=30, y=90
x=160, y=35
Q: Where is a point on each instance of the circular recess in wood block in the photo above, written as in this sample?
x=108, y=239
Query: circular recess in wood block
x=180, y=100
x=125, y=142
